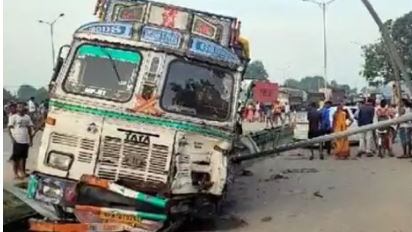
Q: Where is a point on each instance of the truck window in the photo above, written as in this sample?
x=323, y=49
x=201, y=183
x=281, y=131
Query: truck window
x=103, y=72
x=198, y=91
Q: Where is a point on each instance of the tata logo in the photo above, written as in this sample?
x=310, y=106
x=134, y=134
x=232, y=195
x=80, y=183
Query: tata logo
x=137, y=137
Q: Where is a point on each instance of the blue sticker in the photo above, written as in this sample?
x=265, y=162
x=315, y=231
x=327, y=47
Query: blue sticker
x=162, y=37
x=122, y=30
x=212, y=50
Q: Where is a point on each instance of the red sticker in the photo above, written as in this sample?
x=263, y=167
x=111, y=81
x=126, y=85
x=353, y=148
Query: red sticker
x=169, y=17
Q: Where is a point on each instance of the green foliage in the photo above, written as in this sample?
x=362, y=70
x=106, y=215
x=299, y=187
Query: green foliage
x=402, y=34
x=25, y=92
x=376, y=64
x=346, y=88
x=311, y=84
x=7, y=95
x=42, y=94
x=256, y=70
x=292, y=83
x=308, y=83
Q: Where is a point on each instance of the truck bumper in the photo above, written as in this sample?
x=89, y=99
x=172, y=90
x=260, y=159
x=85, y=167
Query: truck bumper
x=96, y=202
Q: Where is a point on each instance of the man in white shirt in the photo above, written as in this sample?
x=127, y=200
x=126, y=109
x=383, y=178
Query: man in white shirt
x=405, y=130
x=31, y=105
x=287, y=112
x=20, y=129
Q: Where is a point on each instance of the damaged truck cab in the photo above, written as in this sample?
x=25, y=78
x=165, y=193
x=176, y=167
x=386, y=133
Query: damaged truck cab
x=142, y=116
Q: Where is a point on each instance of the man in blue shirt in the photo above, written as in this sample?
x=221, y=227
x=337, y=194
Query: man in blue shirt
x=326, y=123
x=314, y=119
x=365, y=117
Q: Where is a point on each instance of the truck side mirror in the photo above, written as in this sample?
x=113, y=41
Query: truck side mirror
x=59, y=64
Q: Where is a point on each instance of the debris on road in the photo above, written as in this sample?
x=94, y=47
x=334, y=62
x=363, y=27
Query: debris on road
x=266, y=219
x=246, y=172
x=234, y=221
x=275, y=177
x=300, y=170
x=317, y=194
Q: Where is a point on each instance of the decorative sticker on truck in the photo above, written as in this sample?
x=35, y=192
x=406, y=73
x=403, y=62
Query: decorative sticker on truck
x=132, y=13
x=146, y=103
x=122, y=30
x=204, y=28
x=168, y=17
x=134, y=219
x=163, y=37
x=212, y=50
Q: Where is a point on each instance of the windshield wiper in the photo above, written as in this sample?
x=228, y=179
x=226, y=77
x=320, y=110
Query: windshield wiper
x=114, y=67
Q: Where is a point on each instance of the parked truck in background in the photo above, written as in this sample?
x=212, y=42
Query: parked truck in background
x=262, y=91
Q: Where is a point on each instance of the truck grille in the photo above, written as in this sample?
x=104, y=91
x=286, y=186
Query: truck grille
x=65, y=140
x=132, y=161
x=83, y=147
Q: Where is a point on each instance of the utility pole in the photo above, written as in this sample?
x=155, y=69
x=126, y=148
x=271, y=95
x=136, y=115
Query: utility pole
x=325, y=47
x=51, y=24
x=323, y=6
x=305, y=143
x=394, y=57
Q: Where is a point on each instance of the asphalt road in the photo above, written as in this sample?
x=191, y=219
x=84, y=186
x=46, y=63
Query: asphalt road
x=290, y=193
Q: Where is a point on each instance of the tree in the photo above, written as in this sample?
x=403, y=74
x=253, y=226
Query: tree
x=377, y=63
x=312, y=84
x=346, y=88
x=402, y=34
x=334, y=84
x=256, y=70
x=292, y=83
x=25, y=92
x=7, y=96
x=42, y=94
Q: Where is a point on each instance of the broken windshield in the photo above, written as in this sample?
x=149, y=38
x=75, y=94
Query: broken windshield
x=198, y=91
x=102, y=72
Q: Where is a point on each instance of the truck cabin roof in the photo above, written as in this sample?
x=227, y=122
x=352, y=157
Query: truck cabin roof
x=182, y=31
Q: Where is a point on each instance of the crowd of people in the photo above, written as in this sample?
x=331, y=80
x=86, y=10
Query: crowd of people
x=378, y=142
x=272, y=114
x=24, y=120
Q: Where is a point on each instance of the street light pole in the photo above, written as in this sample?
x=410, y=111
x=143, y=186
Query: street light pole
x=325, y=47
x=51, y=25
x=323, y=6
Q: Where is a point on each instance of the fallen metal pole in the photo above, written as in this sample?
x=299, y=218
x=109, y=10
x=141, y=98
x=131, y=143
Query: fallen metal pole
x=305, y=143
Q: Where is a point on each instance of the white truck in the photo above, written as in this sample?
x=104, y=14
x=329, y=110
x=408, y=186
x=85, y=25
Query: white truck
x=142, y=119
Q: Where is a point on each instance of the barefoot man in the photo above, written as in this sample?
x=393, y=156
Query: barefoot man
x=20, y=128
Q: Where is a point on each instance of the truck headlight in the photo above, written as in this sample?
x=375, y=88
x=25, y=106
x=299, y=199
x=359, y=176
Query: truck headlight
x=58, y=160
x=52, y=191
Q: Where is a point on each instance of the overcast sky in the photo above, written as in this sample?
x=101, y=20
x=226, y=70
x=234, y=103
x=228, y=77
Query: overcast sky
x=285, y=34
